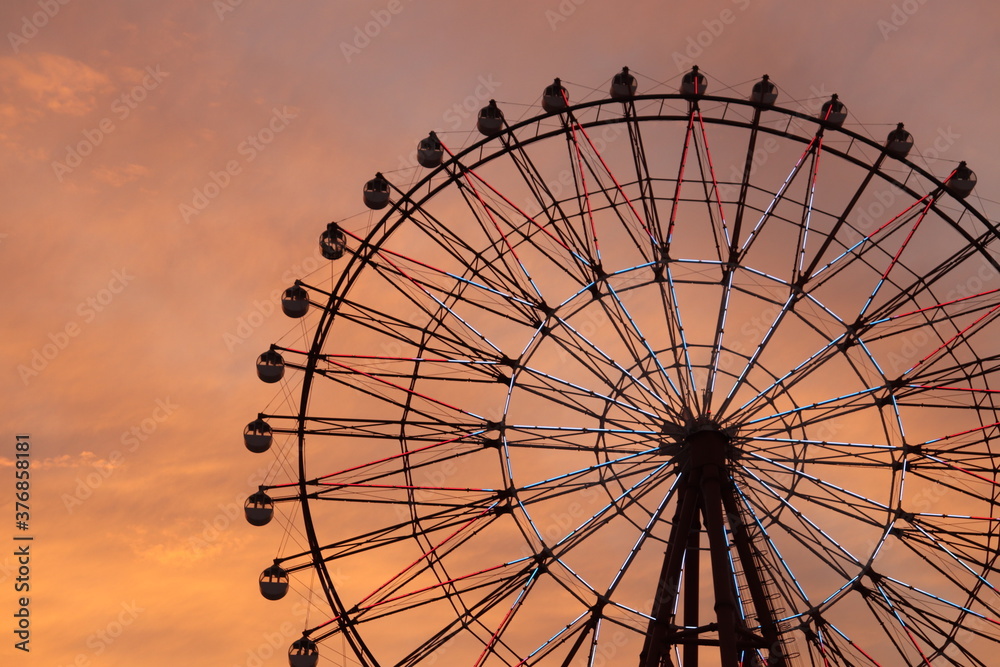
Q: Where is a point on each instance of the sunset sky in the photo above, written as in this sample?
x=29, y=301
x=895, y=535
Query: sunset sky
x=167, y=166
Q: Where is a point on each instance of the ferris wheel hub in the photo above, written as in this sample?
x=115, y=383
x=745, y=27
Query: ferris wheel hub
x=699, y=441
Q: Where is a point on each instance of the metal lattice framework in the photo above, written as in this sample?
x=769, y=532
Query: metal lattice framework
x=660, y=379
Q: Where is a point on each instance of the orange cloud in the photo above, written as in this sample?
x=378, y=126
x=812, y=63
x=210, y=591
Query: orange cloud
x=55, y=83
x=119, y=176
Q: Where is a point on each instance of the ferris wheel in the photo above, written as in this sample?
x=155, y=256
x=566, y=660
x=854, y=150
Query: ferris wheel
x=662, y=378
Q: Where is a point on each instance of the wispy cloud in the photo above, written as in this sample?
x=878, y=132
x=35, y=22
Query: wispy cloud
x=52, y=83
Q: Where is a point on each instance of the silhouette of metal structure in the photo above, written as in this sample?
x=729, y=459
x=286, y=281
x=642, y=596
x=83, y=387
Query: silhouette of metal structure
x=666, y=379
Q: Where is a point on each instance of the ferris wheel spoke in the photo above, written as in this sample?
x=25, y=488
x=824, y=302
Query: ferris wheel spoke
x=661, y=384
x=623, y=469
x=399, y=368
x=944, y=617
x=636, y=225
x=644, y=536
x=943, y=551
x=960, y=443
x=905, y=327
x=579, y=168
x=579, y=627
x=567, y=484
x=392, y=393
x=644, y=177
x=576, y=537
x=619, y=318
x=894, y=261
x=571, y=244
x=399, y=334
x=436, y=432
x=749, y=166
x=679, y=348
x=758, y=351
x=965, y=381
x=435, y=520
x=834, y=643
x=455, y=290
x=769, y=212
x=867, y=250
x=489, y=221
x=828, y=346
x=896, y=637
x=406, y=591
x=966, y=465
x=710, y=194
x=576, y=397
x=574, y=344
x=453, y=329
x=841, y=220
x=923, y=627
x=400, y=494
x=955, y=535
x=426, y=498
x=655, y=382
x=805, y=222
x=790, y=587
x=486, y=268
x=805, y=531
x=827, y=495
x=491, y=644
x=476, y=268
x=900, y=305
x=679, y=182
x=558, y=220
x=815, y=414
x=624, y=439
x=493, y=298
x=476, y=594
x=718, y=347
x=495, y=276
x=789, y=451
x=949, y=347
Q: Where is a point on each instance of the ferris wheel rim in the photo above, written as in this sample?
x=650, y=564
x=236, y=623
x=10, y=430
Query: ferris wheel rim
x=383, y=230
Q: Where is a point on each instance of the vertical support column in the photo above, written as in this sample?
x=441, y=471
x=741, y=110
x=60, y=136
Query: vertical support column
x=692, y=589
x=708, y=451
x=655, y=650
x=705, y=498
x=742, y=539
